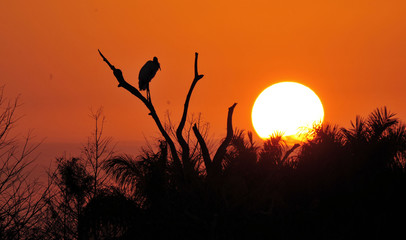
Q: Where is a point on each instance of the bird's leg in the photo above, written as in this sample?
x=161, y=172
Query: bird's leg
x=148, y=94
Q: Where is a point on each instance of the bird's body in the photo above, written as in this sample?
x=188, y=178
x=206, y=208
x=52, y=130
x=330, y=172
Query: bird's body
x=146, y=74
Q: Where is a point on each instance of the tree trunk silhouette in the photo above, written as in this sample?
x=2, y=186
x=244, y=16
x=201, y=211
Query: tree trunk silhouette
x=124, y=84
x=183, y=164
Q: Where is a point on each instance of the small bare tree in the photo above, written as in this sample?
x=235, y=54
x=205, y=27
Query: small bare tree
x=97, y=149
x=182, y=161
x=76, y=181
x=21, y=196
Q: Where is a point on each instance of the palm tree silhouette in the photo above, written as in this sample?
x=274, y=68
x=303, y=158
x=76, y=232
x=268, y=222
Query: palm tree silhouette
x=350, y=174
x=144, y=178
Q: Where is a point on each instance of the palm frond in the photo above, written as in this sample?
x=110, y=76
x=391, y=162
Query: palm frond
x=381, y=120
x=326, y=133
x=358, y=131
x=124, y=169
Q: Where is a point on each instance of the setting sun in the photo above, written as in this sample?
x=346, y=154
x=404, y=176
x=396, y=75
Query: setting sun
x=287, y=108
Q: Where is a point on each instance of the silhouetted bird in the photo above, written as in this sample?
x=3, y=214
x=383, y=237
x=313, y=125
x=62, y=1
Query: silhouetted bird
x=148, y=72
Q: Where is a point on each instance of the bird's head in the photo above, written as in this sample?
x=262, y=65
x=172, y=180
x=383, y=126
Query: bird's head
x=156, y=62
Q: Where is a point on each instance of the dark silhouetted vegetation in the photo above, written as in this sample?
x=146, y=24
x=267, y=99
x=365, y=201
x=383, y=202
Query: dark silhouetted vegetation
x=342, y=183
x=22, y=197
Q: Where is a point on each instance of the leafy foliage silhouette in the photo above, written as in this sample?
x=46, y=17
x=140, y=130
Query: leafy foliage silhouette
x=73, y=186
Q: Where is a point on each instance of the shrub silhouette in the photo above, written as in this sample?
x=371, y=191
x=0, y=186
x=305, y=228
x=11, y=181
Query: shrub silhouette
x=111, y=215
x=73, y=187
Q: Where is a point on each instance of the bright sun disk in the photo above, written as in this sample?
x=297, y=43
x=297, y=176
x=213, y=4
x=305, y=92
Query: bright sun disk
x=288, y=108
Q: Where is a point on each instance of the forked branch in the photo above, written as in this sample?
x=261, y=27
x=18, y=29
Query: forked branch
x=124, y=84
x=211, y=166
x=181, y=140
x=215, y=165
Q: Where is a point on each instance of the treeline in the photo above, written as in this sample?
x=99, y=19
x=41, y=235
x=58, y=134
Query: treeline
x=343, y=183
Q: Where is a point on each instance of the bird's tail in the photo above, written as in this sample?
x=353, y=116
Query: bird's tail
x=142, y=86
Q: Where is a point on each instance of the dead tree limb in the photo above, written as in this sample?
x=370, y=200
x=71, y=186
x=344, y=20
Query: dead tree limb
x=124, y=84
x=184, y=145
x=204, y=149
x=221, y=151
x=211, y=166
x=215, y=165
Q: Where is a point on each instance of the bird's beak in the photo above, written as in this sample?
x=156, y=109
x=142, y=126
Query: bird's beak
x=160, y=68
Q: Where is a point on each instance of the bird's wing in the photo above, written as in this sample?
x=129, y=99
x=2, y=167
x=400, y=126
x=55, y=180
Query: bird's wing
x=145, y=72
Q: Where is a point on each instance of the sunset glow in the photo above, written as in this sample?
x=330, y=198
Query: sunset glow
x=337, y=47
x=136, y=119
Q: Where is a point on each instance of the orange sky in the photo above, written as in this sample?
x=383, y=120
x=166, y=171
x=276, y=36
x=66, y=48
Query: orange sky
x=351, y=53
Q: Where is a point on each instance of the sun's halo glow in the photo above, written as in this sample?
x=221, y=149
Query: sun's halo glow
x=287, y=108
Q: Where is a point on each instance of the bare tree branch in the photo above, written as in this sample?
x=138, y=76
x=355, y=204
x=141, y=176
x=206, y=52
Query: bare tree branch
x=215, y=165
x=187, y=165
x=21, y=196
x=221, y=151
x=124, y=84
x=204, y=149
x=181, y=140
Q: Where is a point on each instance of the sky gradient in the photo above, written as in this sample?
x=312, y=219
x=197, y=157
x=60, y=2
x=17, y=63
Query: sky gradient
x=352, y=54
